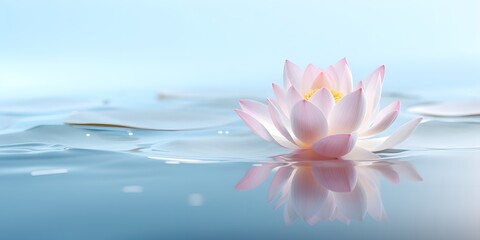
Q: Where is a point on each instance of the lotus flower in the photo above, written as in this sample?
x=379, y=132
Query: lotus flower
x=322, y=110
x=315, y=189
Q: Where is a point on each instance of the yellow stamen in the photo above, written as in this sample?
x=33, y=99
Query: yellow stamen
x=310, y=93
x=337, y=95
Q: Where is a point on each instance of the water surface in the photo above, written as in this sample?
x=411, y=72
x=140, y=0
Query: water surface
x=186, y=167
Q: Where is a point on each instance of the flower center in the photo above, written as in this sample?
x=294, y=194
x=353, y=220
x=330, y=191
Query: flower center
x=310, y=93
x=337, y=95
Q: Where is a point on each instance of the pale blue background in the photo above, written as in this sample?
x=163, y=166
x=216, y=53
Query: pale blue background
x=60, y=47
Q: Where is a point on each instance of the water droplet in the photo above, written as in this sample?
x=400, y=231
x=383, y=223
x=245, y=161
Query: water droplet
x=220, y=132
x=227, y=132
x=87, y=134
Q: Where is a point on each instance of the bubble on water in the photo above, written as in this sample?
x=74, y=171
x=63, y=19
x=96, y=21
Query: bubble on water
x=196, y=200
x=132, y=189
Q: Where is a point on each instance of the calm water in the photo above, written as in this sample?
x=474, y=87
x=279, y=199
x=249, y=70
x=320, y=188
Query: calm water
x=183, y=167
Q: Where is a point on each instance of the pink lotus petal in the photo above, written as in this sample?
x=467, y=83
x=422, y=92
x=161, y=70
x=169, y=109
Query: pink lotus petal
x=359, y=85
x=344, y=76
x=360, y=154
x=292, y=74
x=260, y=130
x=384, y=119
x=293, y=97
x=283, y=117
x=255, y=125
x=281, y=177
x=353, y=204
x=341, y=178
x=369, y=144
x=380, y=71
x=395, y=106
x=281, y=98
x=305, y=155
x=308, y=122
x=255, y=109
x=279, y=121
x=373, y=93
x=309, y=76
x=254, y=177
x=348, y=113
x=382, y=125
x=323, y=99
x=346, y=82
x=340, y=66
x=402, y=133
x=321, y=81
x=333, y=75
x=307, y=194
x=335, y=145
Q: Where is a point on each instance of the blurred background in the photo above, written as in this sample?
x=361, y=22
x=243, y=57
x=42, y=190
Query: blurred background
x=62, y=47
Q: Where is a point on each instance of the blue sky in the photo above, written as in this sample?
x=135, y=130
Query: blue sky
x=56, y=46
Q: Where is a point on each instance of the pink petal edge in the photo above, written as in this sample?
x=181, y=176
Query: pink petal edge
x=400, y=135
x=308, y=122
x=335, y=145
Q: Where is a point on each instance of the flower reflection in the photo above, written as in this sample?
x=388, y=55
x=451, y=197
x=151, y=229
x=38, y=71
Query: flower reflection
x=315, y=189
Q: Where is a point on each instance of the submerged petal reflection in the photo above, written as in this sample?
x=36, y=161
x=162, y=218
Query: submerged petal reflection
x=315, y=188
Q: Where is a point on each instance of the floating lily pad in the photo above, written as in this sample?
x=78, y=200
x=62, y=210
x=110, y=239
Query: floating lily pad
x=460, y=109
x=182, y=119
x=65, y=136
x=47, y=105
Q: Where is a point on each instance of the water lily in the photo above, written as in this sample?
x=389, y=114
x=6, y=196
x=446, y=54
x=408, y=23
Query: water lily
x=312, y=188
x=322, y=110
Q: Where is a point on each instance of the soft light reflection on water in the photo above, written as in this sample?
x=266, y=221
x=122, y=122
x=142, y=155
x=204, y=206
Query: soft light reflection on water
x=116, y=120
x=104, y=181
